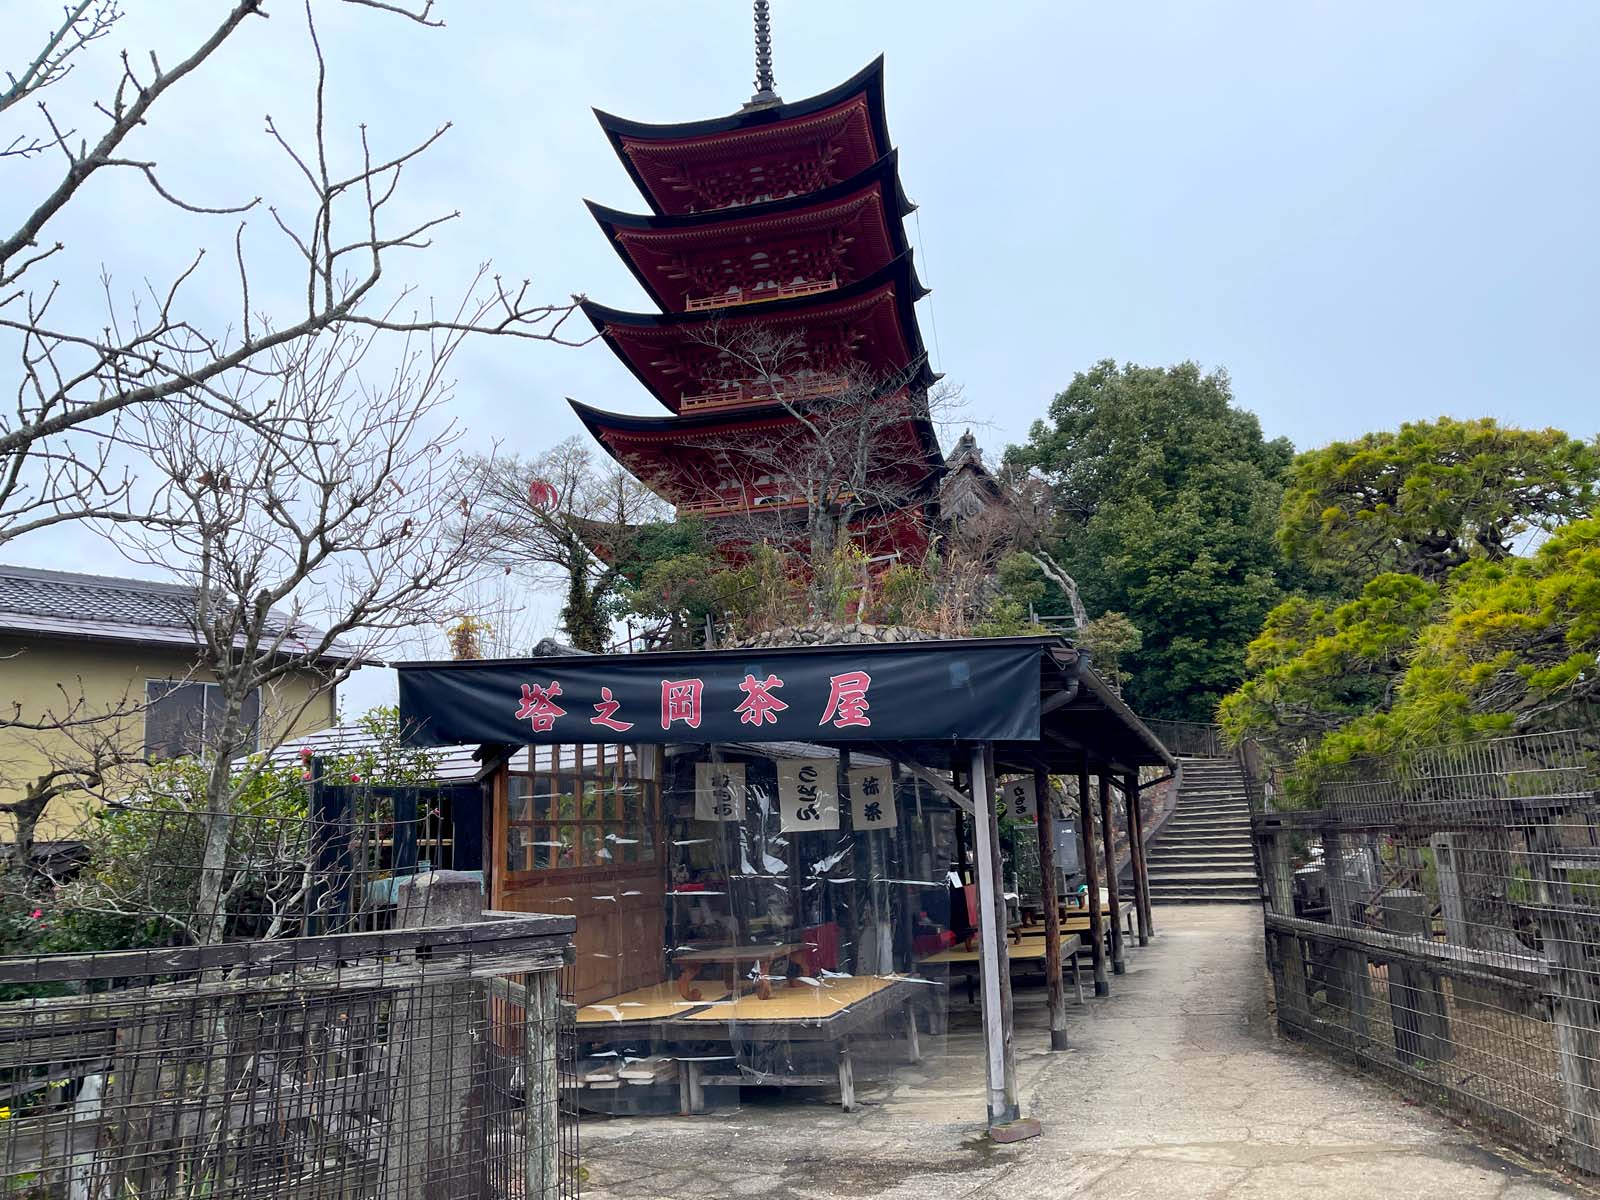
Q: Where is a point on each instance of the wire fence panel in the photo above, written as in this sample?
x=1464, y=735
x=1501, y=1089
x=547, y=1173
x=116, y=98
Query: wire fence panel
x=1188, y=739
x=1438, y=919
x=415, y=1062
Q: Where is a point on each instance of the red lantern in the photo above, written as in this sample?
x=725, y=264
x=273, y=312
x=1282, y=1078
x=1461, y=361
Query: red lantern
x=542, y=495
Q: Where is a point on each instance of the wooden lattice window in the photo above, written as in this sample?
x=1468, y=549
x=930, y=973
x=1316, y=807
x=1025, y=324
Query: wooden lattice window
x=580, y=807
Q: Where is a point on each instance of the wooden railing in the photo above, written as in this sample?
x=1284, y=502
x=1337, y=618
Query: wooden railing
x=787, y=291
x=748, y=393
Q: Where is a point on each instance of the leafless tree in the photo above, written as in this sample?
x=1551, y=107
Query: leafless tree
x=576, y=535
x=77, y=381
x=70, y=749
x=311, y=541
x=845, y=448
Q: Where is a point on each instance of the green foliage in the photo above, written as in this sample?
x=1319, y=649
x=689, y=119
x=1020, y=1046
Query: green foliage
x=1111, y=639
x=1169, y=496
x=1432, y=496
x=141, y=885
x=1320, y=666
x=1499, y=647
x=1018, y=584
x=682, y=590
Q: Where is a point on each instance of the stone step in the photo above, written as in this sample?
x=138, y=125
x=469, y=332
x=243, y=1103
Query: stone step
x=1222, y=825
x=1190, y=850
x=1204, y=859
x=1223, y=896
x=1229, y=879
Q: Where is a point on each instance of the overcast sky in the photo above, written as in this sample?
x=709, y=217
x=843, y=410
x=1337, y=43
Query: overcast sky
x=1365, y=212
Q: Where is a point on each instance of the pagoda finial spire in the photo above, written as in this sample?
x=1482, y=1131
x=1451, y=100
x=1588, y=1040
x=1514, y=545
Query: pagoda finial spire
x=765, y=94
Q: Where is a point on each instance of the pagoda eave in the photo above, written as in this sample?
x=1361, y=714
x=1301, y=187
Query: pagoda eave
x=691, y=136
x=646, y=342
x=841, y=233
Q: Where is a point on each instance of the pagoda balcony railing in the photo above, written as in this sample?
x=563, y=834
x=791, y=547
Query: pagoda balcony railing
x=713, y=506
x=785, y=291
x=761, y=393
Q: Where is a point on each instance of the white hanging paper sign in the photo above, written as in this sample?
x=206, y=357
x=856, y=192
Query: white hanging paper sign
x=718, y=791
x=872, y=798
x=1017, y=795
x=808, y=794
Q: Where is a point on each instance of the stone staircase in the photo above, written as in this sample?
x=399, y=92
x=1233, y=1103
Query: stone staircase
x=1203, y=853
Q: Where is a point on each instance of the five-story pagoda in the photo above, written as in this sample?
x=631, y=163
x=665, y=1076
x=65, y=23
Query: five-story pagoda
x=786, y=345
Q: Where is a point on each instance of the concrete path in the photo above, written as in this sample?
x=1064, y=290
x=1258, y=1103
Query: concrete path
x=1176, y=1087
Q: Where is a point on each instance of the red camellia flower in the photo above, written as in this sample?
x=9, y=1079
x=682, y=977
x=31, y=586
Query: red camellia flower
x=354, y=778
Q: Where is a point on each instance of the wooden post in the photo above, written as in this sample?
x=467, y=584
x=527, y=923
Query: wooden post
x=991, y=942
x=542, y=1094
x=1417, y=1008
x=438, y=1146
x=1108, y=839
x=1091, y=873
x=1350, y=973
x=1573, y=1007
x=1286, y=953
x=1141, y=878
x=1045, y=809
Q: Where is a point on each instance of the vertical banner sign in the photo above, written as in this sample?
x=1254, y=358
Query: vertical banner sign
x=808, y=794
x=1017, y=795
x=718, y=791
x=872, y=798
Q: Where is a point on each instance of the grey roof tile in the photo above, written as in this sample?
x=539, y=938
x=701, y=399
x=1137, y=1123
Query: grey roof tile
x=68, y=604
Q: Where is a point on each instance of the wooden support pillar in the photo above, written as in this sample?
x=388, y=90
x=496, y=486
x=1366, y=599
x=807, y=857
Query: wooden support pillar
x=1351, y=978
x=1574, y=1004
x=1418, y=1011
x=1045, y=809
x=1141, y=873
x=1003, y=923
x=1108, y=839
x=992, y=958
x=1091, y=873
x=1285, y=952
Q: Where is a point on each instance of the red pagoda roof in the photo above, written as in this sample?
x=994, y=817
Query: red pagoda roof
x=687, y=460
x=756, y=154
x=802, y=245
x=871, y=322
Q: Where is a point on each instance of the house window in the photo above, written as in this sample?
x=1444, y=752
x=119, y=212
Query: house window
x=183, y=718
x=580, y=807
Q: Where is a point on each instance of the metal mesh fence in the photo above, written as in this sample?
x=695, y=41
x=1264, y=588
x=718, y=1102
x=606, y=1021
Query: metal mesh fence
x=1437, y=918
x=417, y=1062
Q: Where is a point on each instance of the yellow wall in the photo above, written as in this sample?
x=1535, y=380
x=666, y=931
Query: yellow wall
x=96, y=679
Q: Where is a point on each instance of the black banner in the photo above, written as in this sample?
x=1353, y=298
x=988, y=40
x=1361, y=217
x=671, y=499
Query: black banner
x=877, y=692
